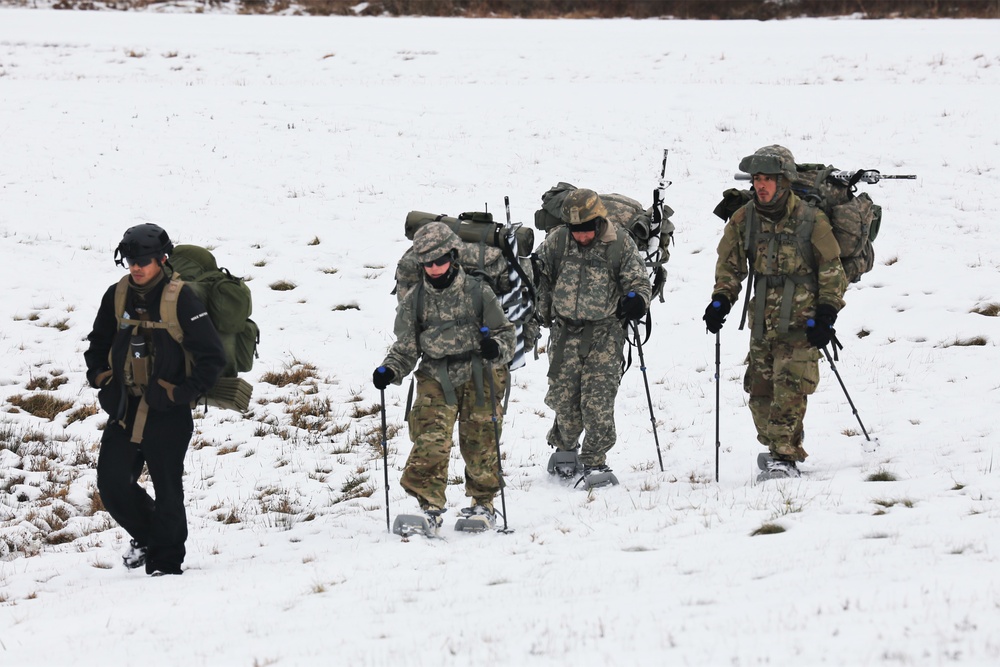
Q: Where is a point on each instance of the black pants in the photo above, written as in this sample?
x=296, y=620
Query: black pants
x=161, y=524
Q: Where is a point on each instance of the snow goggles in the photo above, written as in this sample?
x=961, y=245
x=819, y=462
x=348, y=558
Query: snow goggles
x=440, y=261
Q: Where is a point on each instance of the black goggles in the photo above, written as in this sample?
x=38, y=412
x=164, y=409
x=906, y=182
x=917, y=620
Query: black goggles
x=141, y=262
x=440, y=261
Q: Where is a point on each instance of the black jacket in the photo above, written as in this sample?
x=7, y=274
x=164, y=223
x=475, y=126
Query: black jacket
x=200, y=339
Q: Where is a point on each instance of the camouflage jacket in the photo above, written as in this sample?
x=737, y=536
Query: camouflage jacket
x=444, y=336
x=585, y=283
x=796, y=263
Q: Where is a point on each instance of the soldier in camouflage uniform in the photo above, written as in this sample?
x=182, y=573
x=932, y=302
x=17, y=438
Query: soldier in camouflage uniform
x=438, y=324
x=588, y=269
x=787, y=248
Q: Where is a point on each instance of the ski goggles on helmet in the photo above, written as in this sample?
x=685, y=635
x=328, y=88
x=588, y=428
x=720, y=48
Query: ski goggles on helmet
x=440, y=261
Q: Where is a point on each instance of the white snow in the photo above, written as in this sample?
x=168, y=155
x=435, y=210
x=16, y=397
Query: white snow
x=258, y=135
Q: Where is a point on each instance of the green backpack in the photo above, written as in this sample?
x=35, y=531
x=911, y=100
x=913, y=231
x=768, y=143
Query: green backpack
x=227, y=299
x=854, y=217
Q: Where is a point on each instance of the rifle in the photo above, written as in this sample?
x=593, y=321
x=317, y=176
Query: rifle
x=851, y=178
x=659, y=275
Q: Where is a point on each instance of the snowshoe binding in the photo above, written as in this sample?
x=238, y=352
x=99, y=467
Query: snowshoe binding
x=565, y=464
x=427, y=524
x=771, y=468
x=476, y=519
x=597, y=476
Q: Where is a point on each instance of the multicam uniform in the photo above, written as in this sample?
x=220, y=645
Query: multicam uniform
x=796, y=267
x=440, y=329
x=578, y=293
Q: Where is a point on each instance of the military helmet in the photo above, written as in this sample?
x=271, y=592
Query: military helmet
x=434, y=240
x=583, y=206
x=142, y=242
x=773, y=159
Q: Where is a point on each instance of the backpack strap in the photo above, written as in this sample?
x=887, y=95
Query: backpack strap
x=450, y=397
x=803, y=241
x=168, y=321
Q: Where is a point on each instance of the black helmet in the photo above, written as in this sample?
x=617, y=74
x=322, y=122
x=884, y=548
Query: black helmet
x=145, y=241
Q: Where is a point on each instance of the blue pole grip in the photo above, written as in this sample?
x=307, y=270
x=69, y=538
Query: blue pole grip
x=631, y=295
x=381, y=369
x=810, y=323
x=716, y=304
x=485, y=331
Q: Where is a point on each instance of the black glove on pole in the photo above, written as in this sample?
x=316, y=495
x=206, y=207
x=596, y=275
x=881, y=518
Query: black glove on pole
x=490, y=349
x=820, y=331
x=715, y=313
x=631, y=307
x=383, y=377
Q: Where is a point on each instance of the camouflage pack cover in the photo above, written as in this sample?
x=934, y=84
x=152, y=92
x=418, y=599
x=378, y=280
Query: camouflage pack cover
x=622, y=211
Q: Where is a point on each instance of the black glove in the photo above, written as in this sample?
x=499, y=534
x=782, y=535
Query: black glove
x=490, y=349
x=98, y=379
x=715, y=313
x=179, y=394
x=631, y=307
x=820, y=330
x=382, y=377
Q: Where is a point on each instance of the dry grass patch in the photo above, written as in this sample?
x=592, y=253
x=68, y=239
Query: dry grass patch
x=989, y=310
x=768, y=529
x=42, y=405
x=295, y=373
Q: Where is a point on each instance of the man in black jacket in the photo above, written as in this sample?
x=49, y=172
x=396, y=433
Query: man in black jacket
x=139, y=368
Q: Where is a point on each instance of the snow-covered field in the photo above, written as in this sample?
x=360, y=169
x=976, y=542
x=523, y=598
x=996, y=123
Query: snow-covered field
x=294, y=147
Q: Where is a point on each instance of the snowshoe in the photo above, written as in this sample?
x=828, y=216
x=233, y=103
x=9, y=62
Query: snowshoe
x=427, y=524
x=135, y=557
x=771, y=468
x=597, y=476
x=564, y=463
x=476, y=519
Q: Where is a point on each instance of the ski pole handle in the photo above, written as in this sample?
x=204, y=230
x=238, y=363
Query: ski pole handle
x=381, y=369
x=485, y=331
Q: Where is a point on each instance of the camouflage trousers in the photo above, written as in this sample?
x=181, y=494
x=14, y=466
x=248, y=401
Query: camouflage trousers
x=432, y=423
x=781, y=374
x=584, y=372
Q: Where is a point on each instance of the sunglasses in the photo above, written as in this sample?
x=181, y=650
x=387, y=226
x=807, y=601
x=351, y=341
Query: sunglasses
x=141, y=262
x=440, y=261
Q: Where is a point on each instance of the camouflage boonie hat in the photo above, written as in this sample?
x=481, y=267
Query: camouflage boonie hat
x=582, y=206
x=433, y=240
x=773, y=159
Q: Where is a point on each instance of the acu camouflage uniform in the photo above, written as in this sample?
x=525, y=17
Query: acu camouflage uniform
x=796, y=267
x=440, y=329
x=578, y=294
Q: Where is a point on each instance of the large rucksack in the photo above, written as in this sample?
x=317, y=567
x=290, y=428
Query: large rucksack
x=228, y=302
x=626, y=213
x=855, y=218
x=493, y=252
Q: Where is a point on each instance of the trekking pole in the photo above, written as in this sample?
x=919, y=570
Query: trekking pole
x=385, y=456
x=837, y=373
x=485, y=331
x=645, y=381
x=718, y=347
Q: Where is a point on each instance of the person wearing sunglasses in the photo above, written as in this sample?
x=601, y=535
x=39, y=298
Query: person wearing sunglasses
x=440, y=325
x=592, y=280
x=146, y=390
